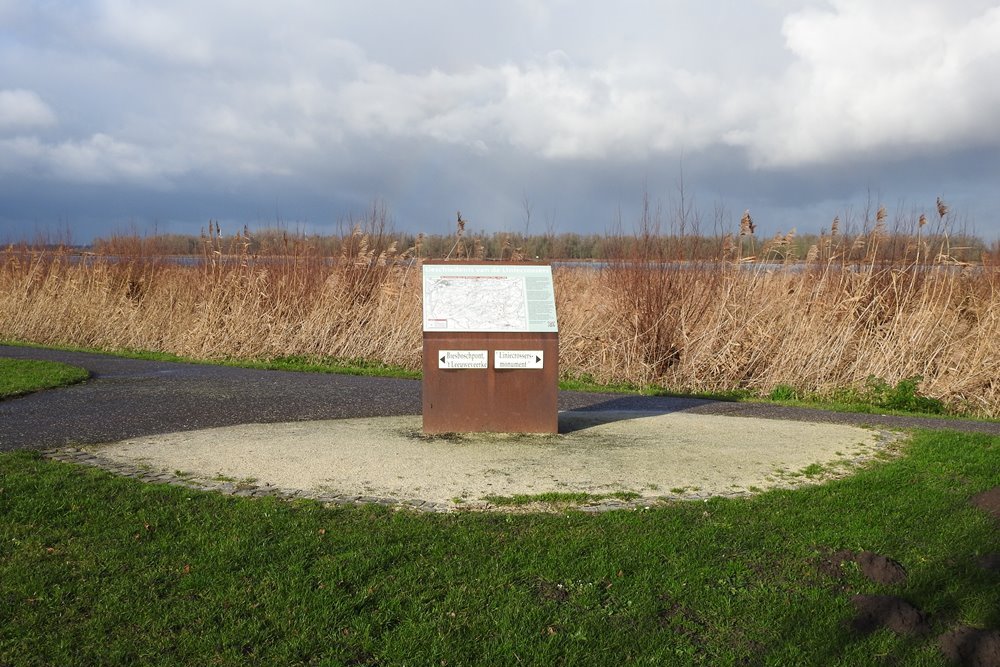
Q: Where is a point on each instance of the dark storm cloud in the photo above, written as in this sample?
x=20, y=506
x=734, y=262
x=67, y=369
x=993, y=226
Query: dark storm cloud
x=116, y=113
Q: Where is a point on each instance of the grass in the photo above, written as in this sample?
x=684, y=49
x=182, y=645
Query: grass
x=876, y=396
x=558, y=498
x=296, y=364
x=857, y=405
x=22, y=376
x=587, y=383
x=96, y=569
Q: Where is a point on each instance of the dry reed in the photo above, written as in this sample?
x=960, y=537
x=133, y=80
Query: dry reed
x=821, y=325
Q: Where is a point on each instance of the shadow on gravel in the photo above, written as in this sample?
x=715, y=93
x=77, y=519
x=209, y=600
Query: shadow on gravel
x=571, y=422
x=623, y=409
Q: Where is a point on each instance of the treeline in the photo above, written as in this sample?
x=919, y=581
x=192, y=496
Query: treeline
x=788, y=247
x=278, y=242
x=871, y=237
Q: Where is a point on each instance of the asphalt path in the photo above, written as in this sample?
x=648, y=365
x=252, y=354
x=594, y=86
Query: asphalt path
x=127, y=398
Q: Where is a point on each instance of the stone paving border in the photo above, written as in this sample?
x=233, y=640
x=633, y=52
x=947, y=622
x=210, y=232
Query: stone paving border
x=251, y=490
x=238, y=489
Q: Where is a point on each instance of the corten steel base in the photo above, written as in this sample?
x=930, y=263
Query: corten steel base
x=487, y=400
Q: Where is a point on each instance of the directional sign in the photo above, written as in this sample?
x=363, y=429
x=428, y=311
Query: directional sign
x=518, y=359
x=463, y=359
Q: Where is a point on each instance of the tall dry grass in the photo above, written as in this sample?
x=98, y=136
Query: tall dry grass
x=722, y=328
x=231, y=303
x=821, y=322
x=843, y=314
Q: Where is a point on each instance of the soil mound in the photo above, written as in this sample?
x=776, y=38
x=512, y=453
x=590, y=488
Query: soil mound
x=990, y=562
x=887, y=611
x=830, y=563
x=879, y=569
x=875, y=567
x=989, y=501
x=971, y=647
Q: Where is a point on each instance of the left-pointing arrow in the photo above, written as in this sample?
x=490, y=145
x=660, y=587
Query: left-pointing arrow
x=443, y=357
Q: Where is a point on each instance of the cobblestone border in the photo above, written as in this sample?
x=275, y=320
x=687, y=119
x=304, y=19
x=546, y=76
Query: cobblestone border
x=252, y=490
x=238, y=489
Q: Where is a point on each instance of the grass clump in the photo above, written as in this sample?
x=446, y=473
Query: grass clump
x=783, y=392
x=903, y=396
x=97, y=569
x=23, y=376
x=875, y=395
x=562, y=498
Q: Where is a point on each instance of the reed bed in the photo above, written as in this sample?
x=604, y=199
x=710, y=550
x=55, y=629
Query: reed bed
x=719, y=328
x=821, y=324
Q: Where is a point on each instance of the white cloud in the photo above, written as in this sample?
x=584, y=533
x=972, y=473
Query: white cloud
x=549, y=108
x=100, y=159
x=265, y=88
x=23, y=109
x=168, y=33
x=882, y=76
x=221, y=93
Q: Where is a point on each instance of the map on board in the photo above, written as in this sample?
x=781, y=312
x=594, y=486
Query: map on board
x=473, y=297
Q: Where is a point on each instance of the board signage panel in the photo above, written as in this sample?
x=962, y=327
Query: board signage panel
x=488, y=298
x=505, y=359
x=498, y=320
x=463, y=359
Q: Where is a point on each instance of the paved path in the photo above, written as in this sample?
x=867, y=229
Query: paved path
x=127, y=398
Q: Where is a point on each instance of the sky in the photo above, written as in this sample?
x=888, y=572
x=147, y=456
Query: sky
x=546, y=116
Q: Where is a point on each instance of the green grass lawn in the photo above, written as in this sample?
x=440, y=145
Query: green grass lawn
x=97, y=569
x=23, y=376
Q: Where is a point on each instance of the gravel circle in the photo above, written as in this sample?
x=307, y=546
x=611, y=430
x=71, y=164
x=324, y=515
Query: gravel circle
x=609, y=458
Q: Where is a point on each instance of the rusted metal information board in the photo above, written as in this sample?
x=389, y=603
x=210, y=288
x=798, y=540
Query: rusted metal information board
x=491, y=348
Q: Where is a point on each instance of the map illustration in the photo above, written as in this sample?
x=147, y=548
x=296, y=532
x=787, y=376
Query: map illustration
x=488, y=298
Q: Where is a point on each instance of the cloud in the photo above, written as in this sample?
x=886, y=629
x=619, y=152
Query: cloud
x=416, y=102
x=100, y=159
x=171, y=34
x=257, y=85
x=24, y=109
x=550, y=108
x=893, y=76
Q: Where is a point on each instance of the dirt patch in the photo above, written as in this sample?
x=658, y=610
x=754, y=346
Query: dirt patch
x=990, y=562
x=971, y=647
x=879, y=569
x=965, y=646
x=875, y=612
x=989, y=501
x=875, y=567
x=830, y=563
x=679, y=619
x=551, y=592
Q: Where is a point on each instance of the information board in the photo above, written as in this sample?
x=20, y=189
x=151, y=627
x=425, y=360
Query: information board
x=480, y=297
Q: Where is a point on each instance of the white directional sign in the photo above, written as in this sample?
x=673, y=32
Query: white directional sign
x=463, y=359
x=518, y=359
